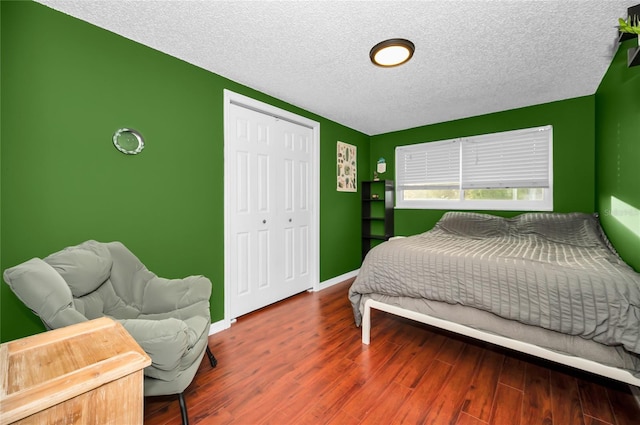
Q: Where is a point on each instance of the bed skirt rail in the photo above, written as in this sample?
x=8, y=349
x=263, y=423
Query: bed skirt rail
x=524, y=347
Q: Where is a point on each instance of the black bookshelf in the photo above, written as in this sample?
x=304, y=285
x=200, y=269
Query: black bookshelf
x=377, y=213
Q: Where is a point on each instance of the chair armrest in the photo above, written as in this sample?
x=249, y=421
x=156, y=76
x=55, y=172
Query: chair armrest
x=163, y=295
x=165, y=341
x=44, y=292
x=64, y=317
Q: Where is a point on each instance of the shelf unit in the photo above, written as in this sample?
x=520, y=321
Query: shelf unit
x=633, y=54
x=377, y=213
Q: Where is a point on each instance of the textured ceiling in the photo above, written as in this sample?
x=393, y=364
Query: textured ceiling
x=472, y=57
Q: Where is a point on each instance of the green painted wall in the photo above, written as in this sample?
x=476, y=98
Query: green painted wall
x=618, y=155
x=66, y=87
x=573, y=152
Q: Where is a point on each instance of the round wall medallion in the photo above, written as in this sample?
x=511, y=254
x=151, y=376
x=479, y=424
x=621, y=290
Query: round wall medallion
x=128, y=141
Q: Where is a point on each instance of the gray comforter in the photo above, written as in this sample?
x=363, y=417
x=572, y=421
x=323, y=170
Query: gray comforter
x=556, y=271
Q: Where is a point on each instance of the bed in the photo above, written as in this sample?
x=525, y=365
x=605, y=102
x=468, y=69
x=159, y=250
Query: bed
x=547, y=284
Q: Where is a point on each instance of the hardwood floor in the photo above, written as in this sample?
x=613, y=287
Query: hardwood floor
x=301, y=361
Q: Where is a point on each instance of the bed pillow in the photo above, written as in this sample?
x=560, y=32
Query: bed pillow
x=473, y=225
x=577, y=229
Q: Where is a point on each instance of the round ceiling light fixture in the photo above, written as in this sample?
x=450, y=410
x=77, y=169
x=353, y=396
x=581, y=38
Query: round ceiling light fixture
x=393, y=52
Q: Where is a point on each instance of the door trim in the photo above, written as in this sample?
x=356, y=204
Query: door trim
x=237, y=99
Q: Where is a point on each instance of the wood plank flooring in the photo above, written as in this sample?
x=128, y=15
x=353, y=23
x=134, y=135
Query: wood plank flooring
x=301, y=361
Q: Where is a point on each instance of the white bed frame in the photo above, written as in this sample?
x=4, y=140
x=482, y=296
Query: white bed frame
x=524, y=347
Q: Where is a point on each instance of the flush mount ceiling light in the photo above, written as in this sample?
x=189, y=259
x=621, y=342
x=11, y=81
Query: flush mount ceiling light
x=393, y=52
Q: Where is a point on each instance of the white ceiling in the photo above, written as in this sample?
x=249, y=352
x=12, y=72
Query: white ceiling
x=472, y=57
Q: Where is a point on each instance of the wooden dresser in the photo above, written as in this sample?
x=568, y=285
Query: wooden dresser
x=89, y=373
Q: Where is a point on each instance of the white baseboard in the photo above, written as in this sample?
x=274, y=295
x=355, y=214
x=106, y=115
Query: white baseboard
x=338, y=279
x=219, y=326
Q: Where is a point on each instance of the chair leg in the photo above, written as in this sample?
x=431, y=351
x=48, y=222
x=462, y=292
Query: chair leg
x=212, y=359
x=183, y=409
x=183, y=404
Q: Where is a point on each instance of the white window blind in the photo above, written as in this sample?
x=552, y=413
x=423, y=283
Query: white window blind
x=433, y=165
x=511, y=170
x=512, y=159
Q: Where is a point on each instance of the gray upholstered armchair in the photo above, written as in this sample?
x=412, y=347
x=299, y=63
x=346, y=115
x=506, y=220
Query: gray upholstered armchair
x=169, y=318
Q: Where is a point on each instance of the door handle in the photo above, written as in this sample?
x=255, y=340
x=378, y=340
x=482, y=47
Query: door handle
x=264, y=221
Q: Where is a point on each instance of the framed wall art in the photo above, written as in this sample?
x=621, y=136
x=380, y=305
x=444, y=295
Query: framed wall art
x=347, y=167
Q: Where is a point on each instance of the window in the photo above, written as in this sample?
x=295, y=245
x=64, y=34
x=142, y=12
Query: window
x=512, y=170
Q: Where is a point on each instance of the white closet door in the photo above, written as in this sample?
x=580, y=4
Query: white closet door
x=269, y=215
x=295, y=204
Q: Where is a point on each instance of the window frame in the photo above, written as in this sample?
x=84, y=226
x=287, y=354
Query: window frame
x=546, y=204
